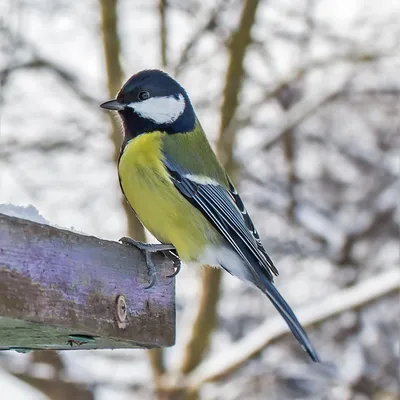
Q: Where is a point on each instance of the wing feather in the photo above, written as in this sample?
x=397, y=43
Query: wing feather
x=225, y=210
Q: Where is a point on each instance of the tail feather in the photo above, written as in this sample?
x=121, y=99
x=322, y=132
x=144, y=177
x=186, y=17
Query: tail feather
x=292, y=321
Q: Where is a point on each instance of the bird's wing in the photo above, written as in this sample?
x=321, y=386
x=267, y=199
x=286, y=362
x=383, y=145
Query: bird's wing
x=249, y=223
x=225, y=210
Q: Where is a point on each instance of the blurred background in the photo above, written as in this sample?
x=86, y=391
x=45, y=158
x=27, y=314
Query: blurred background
x=301, y=102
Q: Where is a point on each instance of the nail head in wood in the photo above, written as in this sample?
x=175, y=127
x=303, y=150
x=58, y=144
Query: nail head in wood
x=122, y=312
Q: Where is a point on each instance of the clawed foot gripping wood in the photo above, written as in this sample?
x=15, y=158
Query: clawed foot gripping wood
x=61, y=290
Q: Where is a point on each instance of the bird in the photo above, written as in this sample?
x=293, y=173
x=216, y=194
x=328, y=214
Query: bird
x=178, y=189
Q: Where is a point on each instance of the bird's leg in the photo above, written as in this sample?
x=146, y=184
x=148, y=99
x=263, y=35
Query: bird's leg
x=148, y=249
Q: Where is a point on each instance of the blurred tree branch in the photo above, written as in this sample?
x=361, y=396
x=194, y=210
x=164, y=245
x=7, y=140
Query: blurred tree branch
x=157, y=363
x=240, y=41
x=300, y=113
x=54, y=387
x=37, y=61
x=209, y=26
x=355, y=57
x=287, y=97
x=227, y=361
x=66, y=77
x=307, y=108
x=57, y=389
x=205, y=321
x=162, y=8
x=111, y=44
x=380, y=218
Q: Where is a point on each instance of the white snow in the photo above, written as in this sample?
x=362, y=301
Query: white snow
x=31, y=213
x=28, y=212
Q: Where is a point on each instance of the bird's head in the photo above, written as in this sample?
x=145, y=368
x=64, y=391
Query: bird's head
x=153, y=101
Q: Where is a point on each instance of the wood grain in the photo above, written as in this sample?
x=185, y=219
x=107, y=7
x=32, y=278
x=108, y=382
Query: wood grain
x=56, y=283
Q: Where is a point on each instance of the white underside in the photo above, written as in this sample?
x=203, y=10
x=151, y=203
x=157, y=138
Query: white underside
x=218, y=256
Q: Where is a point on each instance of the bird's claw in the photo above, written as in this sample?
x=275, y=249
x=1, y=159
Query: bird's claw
x=177, y=264
x=132, y=242
x=152, y=270
x=148, y=249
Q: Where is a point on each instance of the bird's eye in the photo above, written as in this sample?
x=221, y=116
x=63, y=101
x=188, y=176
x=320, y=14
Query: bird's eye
x=143, y=96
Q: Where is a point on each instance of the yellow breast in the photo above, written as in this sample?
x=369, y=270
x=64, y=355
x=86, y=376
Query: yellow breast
x=156, y=201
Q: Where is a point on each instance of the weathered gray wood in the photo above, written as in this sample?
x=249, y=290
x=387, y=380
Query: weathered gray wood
x=56, y=283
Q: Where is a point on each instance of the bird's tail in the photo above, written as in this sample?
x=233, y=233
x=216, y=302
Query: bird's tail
x=288, y=315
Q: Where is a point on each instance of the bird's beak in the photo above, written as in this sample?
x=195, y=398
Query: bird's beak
x=113, y=105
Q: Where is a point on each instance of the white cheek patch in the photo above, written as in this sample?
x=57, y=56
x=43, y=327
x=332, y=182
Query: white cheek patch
x=161, y=110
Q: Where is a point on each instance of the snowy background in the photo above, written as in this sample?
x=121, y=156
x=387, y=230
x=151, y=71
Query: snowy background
x=317, y=154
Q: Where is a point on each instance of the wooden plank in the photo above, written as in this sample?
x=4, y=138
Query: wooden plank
x=60, y=288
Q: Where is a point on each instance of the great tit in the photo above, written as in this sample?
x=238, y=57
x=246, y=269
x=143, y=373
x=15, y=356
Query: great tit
x=171, y=177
